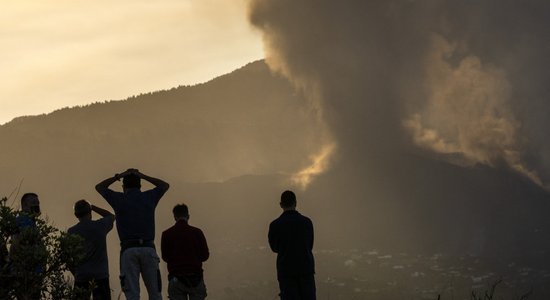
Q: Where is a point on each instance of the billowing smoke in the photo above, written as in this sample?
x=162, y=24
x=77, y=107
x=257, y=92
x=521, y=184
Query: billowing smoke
x=319, y=163
x=467, y=112
x=462, y=80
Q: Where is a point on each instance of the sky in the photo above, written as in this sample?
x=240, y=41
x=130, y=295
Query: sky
x=434, y=119
x=63, y=53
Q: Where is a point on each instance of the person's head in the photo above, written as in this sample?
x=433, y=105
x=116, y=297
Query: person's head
x=131, y=181
x=83, y=209
x=181, y=212
x=30, y=203
x=288, y=200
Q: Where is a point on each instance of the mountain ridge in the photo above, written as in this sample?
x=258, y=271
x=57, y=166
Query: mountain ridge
x=232, y=139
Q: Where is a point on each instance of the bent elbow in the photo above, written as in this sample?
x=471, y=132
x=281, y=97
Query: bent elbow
x=99, y=188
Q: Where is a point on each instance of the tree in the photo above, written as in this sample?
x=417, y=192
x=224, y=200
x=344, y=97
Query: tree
x=34, y=261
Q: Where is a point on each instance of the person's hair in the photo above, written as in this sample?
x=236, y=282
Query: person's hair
x=82, y=208
x=180, y=211
x=288, y=199
x=131, y=181
x=27, y=196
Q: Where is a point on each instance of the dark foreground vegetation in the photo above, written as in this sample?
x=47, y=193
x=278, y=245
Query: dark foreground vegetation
x=38, y=260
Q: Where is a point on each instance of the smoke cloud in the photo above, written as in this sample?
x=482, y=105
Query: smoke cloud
x=462, y=80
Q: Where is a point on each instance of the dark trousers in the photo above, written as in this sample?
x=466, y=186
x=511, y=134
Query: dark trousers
x=101, y=291
x=297, y=288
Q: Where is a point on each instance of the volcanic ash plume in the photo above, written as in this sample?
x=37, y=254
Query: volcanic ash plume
x=454, y=77
x=468, y=112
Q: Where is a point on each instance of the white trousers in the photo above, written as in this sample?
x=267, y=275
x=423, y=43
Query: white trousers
x=144, y=261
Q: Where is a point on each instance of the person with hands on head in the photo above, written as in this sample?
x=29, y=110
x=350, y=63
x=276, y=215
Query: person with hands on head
x=135, y=215
x=92, y=274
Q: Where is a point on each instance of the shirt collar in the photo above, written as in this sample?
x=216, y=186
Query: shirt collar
x=181, y=222
x=290, y=212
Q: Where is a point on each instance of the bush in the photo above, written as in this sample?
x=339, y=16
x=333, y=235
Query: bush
x=38, y=260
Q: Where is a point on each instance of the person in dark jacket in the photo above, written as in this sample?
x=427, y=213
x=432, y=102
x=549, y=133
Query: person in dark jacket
x=291, y=237
x=184, y=249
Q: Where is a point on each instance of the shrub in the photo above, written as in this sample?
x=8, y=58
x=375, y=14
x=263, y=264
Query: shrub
x=38, y=260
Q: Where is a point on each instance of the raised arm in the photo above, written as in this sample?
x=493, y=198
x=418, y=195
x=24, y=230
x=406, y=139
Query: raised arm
x=104, y=185
x=159, y=183
x=102, y=212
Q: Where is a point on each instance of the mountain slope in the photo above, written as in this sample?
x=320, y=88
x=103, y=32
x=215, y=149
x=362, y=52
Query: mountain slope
x=251, y=122
x=240, y=123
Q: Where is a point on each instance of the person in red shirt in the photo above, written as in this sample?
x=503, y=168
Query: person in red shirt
x=184, y=249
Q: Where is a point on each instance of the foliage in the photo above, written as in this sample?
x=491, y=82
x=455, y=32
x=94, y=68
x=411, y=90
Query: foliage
x=38, y=259
x=490, y=293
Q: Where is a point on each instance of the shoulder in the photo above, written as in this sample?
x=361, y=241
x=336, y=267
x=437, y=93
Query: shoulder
x=306, y=220
x=105, y=220
x=275, y=223
x=72, y=229
x=168, y=231
x=108, y=193
x=196, y=230
x=24, y=221
x=156, y=191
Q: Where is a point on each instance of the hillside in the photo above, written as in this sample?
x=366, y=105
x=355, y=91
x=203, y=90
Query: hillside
x=246, y=122
x=251, y=122
x=227, y=147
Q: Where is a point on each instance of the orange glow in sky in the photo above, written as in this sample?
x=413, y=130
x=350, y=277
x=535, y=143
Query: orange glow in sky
x=73, y=52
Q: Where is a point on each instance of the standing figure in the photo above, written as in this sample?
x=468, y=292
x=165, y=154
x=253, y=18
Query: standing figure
x=27, y=252
x=184, y=249
x=30, y=210
x=92, y=274
x=291, y=237
x=135, y=215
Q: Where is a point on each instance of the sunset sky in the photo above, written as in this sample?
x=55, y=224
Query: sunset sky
x=65, y=53
x=412, y=131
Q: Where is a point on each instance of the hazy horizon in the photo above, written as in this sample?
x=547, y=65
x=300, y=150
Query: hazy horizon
x=413, y=132
x=67, y=53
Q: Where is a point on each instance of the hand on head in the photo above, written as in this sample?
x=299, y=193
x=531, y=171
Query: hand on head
x=130, y=171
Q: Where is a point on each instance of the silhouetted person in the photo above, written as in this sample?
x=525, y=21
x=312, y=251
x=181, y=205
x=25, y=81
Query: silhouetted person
x=291, y=237
x=135, y=215
x=93, y=271
x=25, y=221
x=26, y=218
x=30, y=210
x=184, y=249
